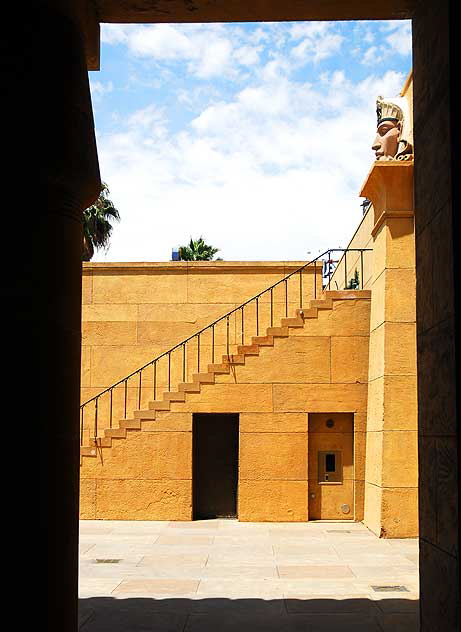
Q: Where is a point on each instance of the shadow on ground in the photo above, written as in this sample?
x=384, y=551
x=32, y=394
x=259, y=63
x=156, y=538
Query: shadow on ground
x=106, y=614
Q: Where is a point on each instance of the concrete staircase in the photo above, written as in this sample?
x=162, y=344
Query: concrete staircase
x=135, y=423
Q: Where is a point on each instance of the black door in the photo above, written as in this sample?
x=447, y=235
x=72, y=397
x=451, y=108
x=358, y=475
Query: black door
x=215, y=465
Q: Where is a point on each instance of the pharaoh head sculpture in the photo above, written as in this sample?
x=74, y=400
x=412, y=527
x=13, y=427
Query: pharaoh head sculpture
x=392, y=141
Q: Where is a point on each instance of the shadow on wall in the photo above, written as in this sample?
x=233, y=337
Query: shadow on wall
x=106, y=614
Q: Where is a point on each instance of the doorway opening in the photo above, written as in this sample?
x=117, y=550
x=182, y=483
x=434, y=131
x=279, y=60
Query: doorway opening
x=331, y=466
x=215, y=456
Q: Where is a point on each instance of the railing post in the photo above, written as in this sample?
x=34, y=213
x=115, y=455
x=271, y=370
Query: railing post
x=272, y=307
x=345, y=270
x=110, y=418
x=227, y=336
x=329, y=268
x=126, y=393
x=184, y=362
x=243, y=326
x=300, y=289
x=81, y=424
x=198, y=353
x=169, y=369
x=155, y=379
x=315, y=278
x=286, y=298
x=361, y=267
x=139, y=390
x=257, y=316
x=96, y=417
x=212, y=345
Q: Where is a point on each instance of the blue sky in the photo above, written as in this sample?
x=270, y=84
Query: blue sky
x=256, y=136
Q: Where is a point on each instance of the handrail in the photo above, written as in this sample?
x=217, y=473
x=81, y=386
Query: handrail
x=197, y=334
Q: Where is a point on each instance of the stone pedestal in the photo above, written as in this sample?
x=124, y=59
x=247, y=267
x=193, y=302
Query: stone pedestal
x=391, y=487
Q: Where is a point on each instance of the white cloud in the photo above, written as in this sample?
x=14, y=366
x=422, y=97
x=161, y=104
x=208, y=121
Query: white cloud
x=371, y=56
x=115, y=33
x=160, y=41
x=320, y=40
x=400, y=40
x=206, y=49
x=316, y=50
x=269, y=173
x=100, y=88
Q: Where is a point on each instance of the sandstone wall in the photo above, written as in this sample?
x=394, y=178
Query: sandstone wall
x=322, y=367
x=132, y=312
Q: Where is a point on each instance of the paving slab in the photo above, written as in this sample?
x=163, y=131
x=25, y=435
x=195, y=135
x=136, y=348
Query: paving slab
x=314, y=571
x=224, y=575
x=156, y=586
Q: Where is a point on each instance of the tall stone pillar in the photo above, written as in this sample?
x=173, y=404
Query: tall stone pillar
x=437, y=128
x=391, y=487
x=69, y=182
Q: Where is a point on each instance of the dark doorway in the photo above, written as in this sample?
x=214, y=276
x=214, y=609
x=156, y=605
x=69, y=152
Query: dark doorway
x=215, y=465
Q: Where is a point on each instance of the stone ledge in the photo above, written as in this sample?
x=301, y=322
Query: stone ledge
x=341, y=295
x=200, y=266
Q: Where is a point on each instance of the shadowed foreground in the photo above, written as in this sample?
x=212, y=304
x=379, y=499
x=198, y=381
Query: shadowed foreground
x=106, y=614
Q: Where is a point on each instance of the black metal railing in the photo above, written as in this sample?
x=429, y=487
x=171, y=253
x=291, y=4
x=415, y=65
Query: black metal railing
x=131, y=391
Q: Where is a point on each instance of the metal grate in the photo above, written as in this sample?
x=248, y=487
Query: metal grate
x=390, y=589
x=107, y=561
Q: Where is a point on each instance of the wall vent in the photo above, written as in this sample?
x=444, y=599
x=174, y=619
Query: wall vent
x=390, y=589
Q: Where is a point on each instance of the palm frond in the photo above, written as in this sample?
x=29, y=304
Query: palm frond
x=97, y=218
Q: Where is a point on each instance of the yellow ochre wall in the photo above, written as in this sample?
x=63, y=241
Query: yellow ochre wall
x=132, y=312
x=322, y=367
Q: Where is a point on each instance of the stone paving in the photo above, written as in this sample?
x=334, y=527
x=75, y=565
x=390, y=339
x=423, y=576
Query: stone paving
x=226, y=576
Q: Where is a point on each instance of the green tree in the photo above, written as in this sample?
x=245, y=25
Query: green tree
x=197, y=250
x=97, y=226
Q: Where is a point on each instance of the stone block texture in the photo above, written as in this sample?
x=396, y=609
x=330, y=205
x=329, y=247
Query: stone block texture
x=145, y=471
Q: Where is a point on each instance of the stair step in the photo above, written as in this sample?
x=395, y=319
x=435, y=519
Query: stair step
x=174, y=397
x=263, y=341
x=101, y=442
x=218, y=368
x=144, y=414
x=325, y=303
x=248, y=349
x=159, y=404
x=130, y=424
x=115, y=433
x=292, y=322
x=88, y=451
x=190, y=387
x=233, y=359
x=310, y=312
x=278, y=331
x=204, y=378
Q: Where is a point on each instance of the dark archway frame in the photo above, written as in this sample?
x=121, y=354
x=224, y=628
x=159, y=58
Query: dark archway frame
x=62, y=36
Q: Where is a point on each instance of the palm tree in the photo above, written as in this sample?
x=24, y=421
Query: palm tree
x=197, y=250
x=97, y=227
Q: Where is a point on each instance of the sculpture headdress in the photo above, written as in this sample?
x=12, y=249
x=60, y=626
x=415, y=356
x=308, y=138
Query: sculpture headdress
x=397, y=109
x=388, y=111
